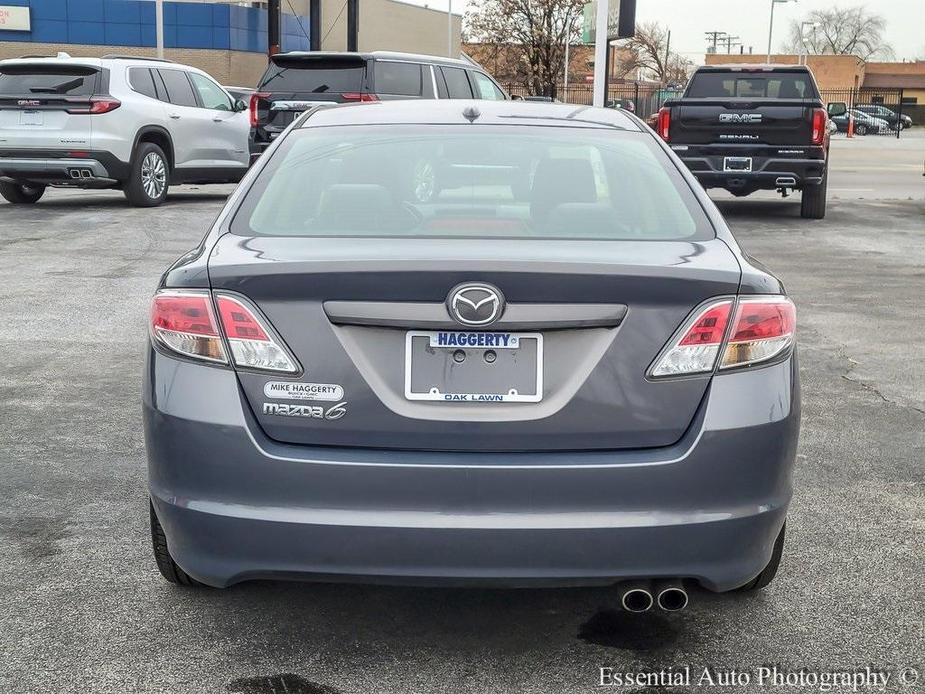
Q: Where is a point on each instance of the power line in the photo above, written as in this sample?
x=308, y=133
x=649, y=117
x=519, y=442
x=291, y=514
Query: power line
x=714, y=37
x=334, y=23
x=298, y=19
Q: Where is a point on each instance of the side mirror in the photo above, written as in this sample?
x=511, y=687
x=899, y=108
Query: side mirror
x=837, y=108
x=240, y=105
x=516, y=97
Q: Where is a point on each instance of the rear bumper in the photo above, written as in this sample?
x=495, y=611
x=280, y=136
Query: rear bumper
x=53, y=166
x=236, y=505
x=768, y=171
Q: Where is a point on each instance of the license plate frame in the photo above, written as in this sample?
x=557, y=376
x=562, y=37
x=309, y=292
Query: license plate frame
x=507, y=355
x=31, y=117
x=730, y=164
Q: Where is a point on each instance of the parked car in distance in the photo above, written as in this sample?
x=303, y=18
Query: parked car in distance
x=130, y=123
x=893, y=119
x=242, y=93
x=296, y=81
x=561, y=370
x=863, y=123
x=753, y=127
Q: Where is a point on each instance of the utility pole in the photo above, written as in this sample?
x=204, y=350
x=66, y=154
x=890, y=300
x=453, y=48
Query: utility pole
x=730, y=40
x=714, y=37
x=159, y=27
x=353, y=29
x=314, y=23
x=273, y=32
x=667, y=58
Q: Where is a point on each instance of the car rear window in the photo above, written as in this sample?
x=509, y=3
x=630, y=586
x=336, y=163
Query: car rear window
x=779, y=85
x=314, y=76
x=398, y=78
x=19, y=80
x=478, y=181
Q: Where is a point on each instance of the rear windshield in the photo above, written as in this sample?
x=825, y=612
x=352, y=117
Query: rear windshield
x=478, y=181
x=16, y=80
x=314, y=77
x=778, y=85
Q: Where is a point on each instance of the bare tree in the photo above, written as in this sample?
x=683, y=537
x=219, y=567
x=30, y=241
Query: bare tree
x=648, y=52
x=840, y=31
x=535, y=31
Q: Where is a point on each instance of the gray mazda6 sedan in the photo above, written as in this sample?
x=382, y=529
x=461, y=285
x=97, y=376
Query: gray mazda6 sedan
x=469, y=343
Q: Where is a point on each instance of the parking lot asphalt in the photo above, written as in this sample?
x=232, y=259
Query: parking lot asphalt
x=82, y=608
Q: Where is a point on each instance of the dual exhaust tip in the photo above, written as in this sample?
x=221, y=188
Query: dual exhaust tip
x=80, y=173
x=642, y=596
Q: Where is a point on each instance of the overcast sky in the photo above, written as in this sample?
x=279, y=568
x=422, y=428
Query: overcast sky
x=689, y=19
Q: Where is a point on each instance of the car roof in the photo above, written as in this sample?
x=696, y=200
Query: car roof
x=378, y=55
x=753, y=67
x=459, y=111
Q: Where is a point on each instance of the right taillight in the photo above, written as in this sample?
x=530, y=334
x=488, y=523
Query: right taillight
x=254, y=103
x=819, y=122
x=252, y=341
x=663, y=123
x=763, y=328
x=748, y=331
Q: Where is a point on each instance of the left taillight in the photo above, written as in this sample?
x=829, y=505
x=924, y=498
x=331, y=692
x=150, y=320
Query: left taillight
x=254, y=106
x=663, y=123
x=184, y=322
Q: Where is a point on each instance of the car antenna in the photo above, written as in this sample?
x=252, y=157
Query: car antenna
x=470, y=113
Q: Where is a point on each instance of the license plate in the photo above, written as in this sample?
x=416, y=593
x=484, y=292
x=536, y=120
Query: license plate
x=477, y=366
x=737, y=164
x=30, y=118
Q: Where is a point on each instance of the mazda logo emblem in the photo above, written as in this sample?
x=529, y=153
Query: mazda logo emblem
x=475, y=304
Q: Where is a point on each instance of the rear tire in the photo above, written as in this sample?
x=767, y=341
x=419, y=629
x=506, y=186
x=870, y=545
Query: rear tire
x=17, y=194
x=767, y=574
x=169, y=569
x=812, y=205
x=860, y=130
x=149, y=178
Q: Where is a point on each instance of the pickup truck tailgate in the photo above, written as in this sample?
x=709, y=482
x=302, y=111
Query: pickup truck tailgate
x=715, y=121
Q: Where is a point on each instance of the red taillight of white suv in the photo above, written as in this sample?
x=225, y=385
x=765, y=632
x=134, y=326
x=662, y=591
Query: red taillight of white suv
x=184, y=322
x=762, y=328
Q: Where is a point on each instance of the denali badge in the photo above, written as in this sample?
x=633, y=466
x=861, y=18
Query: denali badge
x=288, y=390
x=312, y=411
x=740, y=118
x=475, y=304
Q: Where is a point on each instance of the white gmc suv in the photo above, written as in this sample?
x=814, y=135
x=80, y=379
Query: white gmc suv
x=135, y=124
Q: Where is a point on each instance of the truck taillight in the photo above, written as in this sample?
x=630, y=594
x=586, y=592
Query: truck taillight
x=663, y=123
x=254, y=102
x=762, y=328
x=358, y=96
x=183, y=322
x=819, y=122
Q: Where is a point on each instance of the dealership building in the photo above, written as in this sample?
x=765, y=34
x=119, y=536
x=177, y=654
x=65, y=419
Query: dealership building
x=227, y=39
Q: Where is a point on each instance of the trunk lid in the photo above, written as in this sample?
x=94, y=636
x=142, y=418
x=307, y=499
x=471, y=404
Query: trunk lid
x=344, y=310
x=745, y=121
x=35, y=98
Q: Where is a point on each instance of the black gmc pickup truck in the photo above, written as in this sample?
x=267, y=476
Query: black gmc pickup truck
x=753, y=127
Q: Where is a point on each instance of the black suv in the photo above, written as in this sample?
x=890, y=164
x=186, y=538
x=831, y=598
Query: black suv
x=294, y=82
x=752, y=127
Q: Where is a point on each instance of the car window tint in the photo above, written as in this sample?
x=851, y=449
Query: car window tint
x=210, y=94
x=457, y=84
x=28, y=80
x=398, y=78
x=317, y=76
x=794, y=85
x=179, y=91
x=142, y=82
x=490, y=181
x=487, y=88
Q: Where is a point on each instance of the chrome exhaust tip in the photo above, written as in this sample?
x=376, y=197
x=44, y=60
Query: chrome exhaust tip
x=86, y=173
x=785, y=181
x=670, y=596
x=636, y=597
x=73, y=173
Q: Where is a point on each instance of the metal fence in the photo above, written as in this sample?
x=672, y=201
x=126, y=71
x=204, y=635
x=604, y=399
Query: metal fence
x=869, y=98
x=646, y=99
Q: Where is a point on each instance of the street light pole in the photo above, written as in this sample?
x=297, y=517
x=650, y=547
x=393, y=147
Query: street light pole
x=771, y=25
x=601, y=54
x=449, y=30
x=159, y=27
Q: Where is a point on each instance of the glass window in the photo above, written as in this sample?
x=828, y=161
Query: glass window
x=398, y=78
x=315, y=76
x=179, y=91
x=457, y=84
x=782, y=85
x=142, y=82
x=210, y=94
x=26, y=80
x=485, y=182
x=486, y=88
